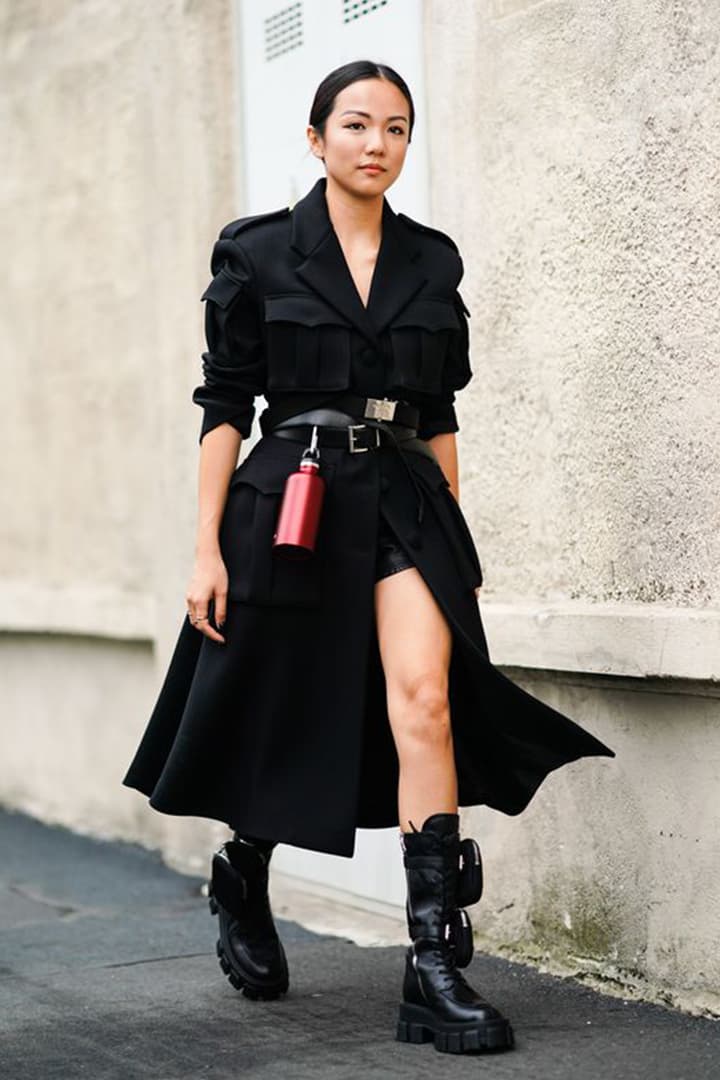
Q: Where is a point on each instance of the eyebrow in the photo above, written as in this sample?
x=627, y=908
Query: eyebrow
x=359, y=112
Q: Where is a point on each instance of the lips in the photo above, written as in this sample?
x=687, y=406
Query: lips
x=372, y=168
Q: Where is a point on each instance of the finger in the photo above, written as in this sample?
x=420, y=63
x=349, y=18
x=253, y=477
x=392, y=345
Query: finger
x=203, y=624
x=220, y=608
x=206, y=628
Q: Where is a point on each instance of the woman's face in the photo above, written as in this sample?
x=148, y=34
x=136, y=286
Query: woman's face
x=369, y=123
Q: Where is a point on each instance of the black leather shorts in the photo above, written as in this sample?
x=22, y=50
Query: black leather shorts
x=391, y=557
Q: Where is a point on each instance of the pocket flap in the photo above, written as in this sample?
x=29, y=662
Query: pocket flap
x=268, y=484
x=301, y=308
x=428, y=314
x=267, y=472
x=223, y=288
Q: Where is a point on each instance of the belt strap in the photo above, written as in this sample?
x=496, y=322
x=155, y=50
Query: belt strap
x=339, y=436
x=351, y=437
x=363, y=408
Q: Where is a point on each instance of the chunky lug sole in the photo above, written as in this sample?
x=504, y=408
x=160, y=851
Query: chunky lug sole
x=418, y=1024
x=238, y=978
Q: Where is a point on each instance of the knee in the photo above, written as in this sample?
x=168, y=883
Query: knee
x=423, y=713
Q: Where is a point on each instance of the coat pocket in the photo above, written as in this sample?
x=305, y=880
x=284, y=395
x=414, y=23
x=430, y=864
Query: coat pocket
x=451, y=517
x=308, y=344
x=420, y=338
x=257, y=573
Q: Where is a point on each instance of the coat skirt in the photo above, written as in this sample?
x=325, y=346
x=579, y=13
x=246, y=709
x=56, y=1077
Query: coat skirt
x=283, y=731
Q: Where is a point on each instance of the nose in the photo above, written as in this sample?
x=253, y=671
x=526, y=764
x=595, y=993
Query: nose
x=375, y=140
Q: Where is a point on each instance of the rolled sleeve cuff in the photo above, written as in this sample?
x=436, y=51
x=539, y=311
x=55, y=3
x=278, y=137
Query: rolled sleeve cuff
x=216, y=413
x=441, y=420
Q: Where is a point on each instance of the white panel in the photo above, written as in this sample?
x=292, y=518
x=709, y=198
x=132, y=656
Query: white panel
x=276, y=94
x=375, y=871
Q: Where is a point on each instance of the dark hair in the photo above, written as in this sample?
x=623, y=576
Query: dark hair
x=337, y=80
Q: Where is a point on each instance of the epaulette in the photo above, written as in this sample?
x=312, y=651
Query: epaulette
x=428, y=229
x=234, y=227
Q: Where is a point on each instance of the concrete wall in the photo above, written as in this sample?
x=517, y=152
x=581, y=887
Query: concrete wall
x=120, y=124
x=586, y=200
x=575, y=153
x=611, y=873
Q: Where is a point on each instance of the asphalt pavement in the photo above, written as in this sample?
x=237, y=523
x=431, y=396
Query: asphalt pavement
x=108, y=972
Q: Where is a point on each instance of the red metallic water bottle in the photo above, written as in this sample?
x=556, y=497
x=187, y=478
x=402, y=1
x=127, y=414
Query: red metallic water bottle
x=299, y=516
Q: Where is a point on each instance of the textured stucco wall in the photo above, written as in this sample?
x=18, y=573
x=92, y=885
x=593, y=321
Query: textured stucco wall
x=119, y=127
x=575, y=150
x=575, y=158
x=72, y=711
x=119, y=121
x=611, y=872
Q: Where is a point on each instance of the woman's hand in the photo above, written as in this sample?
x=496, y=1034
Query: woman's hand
x=219, y=450
x=209, y=584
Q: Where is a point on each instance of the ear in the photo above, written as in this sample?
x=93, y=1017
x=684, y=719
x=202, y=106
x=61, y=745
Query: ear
x=315, y=142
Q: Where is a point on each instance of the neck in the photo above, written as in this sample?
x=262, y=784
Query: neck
x=352, y=216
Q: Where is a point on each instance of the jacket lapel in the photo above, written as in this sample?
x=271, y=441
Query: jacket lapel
x=396, y=279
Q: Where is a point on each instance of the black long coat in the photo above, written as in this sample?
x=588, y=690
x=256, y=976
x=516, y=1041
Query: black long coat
x=283, y=731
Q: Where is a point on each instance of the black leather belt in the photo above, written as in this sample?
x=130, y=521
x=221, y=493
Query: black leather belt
x=355, y=405
x=335, y=427
x=356, y=438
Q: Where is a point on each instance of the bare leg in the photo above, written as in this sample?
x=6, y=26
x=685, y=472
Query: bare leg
x=415, y=645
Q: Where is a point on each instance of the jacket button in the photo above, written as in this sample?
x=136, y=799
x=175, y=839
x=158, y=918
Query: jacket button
x=368, y=357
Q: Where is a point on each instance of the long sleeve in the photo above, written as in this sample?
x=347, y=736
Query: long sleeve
x=234, y=366
x=438, y=416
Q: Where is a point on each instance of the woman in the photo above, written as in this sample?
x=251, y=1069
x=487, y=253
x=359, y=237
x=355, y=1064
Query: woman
x=306, y=699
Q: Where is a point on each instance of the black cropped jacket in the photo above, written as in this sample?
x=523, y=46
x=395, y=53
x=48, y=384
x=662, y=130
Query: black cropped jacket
x=284, y=318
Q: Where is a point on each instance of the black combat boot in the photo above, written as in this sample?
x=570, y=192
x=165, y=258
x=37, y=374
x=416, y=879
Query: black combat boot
x=249, y=949
x=437, y=1002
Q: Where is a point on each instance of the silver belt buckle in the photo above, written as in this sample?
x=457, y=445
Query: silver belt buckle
x=351, y=439
x=380, y=408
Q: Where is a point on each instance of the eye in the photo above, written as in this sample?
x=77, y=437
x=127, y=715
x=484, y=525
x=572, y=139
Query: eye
x=358, y=124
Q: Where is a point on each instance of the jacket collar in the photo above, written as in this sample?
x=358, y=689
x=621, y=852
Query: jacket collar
x=397, y=276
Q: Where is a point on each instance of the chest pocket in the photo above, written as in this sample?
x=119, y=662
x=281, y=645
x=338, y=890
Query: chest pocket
x=420, y=337
x=308, y=344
